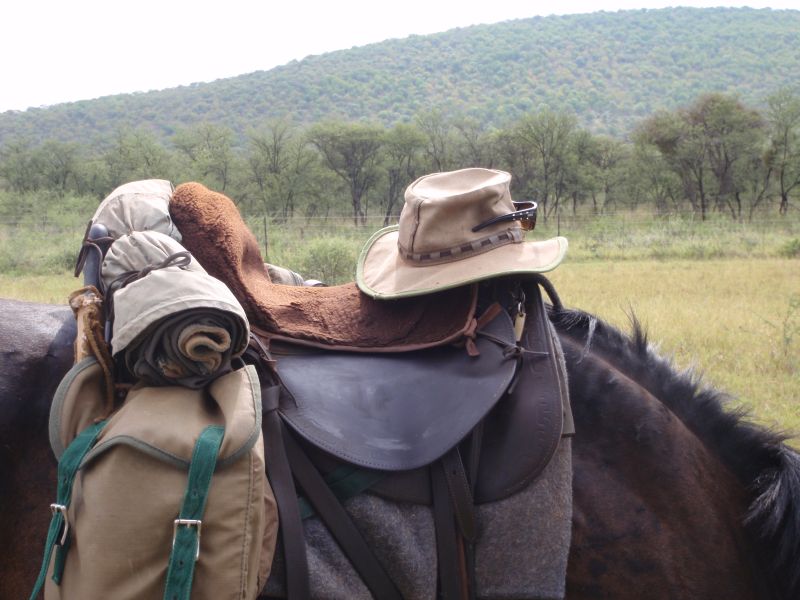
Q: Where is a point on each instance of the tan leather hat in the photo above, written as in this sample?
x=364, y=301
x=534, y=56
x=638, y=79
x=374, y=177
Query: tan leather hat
x=455, y=228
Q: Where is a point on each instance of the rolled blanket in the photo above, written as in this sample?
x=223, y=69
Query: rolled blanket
x=175, y=323
x=190, y=348
x=138, y=206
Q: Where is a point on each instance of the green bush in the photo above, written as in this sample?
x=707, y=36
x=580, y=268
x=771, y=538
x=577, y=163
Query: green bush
x=332, y=260
x=791, y=248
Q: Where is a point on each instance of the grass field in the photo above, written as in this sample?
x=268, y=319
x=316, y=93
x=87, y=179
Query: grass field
x=735, y=321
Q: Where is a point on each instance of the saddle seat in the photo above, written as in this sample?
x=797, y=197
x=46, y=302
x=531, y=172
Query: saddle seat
x=340, y=317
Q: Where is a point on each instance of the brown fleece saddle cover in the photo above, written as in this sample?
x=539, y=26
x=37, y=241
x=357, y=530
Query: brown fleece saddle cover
x=340, y=317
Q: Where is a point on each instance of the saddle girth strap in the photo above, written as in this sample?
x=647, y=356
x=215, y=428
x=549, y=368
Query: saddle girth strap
x=339, y=523
x=460, y=493
x=280, y=478
x=449, y=544
x=473, y=462
x=188, y=525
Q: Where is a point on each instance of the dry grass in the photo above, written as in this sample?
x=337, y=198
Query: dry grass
x=50, y=289
x=737, y=322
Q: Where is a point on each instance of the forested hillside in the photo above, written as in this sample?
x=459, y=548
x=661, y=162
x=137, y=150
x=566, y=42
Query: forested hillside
x=608, y=69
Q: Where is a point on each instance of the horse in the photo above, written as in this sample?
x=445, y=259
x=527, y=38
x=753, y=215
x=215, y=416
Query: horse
x=676, y=495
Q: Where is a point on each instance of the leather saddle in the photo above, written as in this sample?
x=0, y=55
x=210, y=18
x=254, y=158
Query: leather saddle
x=436, y=427
x=432, y=400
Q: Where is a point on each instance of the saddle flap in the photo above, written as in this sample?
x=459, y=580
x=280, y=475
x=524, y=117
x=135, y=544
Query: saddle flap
x=394, y=411
x=522, y=433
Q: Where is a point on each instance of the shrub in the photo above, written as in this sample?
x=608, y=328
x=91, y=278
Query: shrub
x=791, y=248
x=332, y=260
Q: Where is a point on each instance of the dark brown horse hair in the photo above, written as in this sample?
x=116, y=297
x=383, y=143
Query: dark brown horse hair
x=757, y=456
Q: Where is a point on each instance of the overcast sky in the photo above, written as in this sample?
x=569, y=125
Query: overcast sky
x=54, y=51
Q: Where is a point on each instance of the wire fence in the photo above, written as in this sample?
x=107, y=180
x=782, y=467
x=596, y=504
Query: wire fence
x=343, y=224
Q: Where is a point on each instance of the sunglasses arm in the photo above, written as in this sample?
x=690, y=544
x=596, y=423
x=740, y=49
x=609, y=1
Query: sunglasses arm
x=519, y=215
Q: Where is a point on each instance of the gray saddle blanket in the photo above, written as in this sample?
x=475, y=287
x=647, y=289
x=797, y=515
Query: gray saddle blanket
x=521, y=551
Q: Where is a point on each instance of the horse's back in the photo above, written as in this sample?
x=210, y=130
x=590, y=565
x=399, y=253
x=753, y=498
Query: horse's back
x=658, y=510
x=35, y=352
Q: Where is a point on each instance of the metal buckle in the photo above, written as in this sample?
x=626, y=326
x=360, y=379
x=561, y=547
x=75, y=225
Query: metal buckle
x=60, y=508
x=188, y=523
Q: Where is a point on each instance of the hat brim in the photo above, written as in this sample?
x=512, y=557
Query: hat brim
x=382, y=274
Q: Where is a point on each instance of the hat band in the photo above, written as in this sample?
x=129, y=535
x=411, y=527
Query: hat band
x=510, y=236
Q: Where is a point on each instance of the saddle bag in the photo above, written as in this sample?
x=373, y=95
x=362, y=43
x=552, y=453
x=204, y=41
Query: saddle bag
x=166, y=498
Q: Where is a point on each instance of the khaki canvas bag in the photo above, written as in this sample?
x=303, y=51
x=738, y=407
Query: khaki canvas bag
x=131, y=486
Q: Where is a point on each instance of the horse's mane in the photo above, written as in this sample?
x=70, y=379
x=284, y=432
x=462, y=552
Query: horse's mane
x=758, y=456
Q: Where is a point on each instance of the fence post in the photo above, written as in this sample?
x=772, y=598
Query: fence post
x=266, y=241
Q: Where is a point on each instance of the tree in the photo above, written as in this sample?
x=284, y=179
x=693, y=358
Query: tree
x=20, y=166
x=59, y=164
x=474, y=147
x=609, y=159
x=650, y=178
x=733, y=139
x=280, y=165
x=350, y=151
x=438, y=132
x=709, y=145
x=783, y=156
x=519, y=160
x=136, y=154
x=683, y=148
x=548, y=134
x=402, y=151
x=209, y=151
x=580, y=174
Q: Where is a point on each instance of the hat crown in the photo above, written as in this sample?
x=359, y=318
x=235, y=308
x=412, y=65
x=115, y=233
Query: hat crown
x=441, y=209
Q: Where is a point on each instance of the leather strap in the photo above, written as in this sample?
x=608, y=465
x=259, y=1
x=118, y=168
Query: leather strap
x=188, y=525
x=473, y=462
x=280, y=478
x=460, y=493
x=451, y=573
x=339, y=523
x=59, y=527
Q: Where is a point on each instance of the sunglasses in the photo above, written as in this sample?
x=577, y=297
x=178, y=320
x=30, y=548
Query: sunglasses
x=525, y=213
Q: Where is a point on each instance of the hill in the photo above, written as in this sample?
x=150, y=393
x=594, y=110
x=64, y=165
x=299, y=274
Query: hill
x=610, y=69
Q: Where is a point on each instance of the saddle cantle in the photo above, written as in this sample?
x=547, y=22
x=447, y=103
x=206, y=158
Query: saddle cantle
x=338, y=316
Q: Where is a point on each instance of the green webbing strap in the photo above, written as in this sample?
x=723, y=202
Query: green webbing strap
x=187, y=528
x=346, y=482
x=58, y=533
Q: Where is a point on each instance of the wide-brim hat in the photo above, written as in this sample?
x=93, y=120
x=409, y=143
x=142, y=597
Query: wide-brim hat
x=435, y=246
